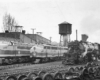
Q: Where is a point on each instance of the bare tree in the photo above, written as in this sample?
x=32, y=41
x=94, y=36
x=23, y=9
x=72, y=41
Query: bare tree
x=9, y=23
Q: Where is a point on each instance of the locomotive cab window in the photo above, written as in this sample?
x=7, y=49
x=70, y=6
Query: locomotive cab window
x=54, y=48
x=58, y=48
x=65, y=48
x=46, y=47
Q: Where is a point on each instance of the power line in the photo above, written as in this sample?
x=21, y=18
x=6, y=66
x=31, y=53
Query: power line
x=60, y=11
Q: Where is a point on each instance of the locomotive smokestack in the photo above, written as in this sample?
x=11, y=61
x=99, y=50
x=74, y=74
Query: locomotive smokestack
x=84, y=37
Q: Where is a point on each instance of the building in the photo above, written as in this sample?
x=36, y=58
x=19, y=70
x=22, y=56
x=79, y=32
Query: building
x=24, y=38
x=16, y=36
x=39, y=39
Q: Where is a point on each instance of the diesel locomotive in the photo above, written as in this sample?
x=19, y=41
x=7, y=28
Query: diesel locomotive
x=16, y=52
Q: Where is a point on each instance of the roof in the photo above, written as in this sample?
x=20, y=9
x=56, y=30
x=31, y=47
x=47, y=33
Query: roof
x=16, y=35
x=65, y=22
x=39, y=38
x=12, y=35
x=32, y=35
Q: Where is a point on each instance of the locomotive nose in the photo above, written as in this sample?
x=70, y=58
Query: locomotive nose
x=33, y=49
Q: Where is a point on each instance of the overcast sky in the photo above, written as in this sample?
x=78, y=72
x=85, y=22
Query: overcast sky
x=45, y=15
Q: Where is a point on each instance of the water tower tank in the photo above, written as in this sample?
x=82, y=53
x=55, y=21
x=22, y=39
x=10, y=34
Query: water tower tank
x=65, y=28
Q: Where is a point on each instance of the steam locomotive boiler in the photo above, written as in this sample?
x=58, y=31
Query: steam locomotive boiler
x=81, y=52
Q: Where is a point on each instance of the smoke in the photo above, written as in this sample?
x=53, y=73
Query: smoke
x=90, y=25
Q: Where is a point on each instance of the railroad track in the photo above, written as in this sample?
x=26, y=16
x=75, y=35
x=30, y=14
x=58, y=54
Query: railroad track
x=2, y=67
x=25, y=70
x=14, y=66
x=52, y=67
x=5, y=66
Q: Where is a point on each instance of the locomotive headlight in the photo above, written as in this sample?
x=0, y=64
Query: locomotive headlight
x=94, y=58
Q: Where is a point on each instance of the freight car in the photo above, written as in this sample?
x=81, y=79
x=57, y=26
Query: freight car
x=81, y=52
x=16, y=52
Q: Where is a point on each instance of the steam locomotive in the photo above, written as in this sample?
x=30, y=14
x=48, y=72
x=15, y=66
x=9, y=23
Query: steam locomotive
x=81, y=52
x=16, y=52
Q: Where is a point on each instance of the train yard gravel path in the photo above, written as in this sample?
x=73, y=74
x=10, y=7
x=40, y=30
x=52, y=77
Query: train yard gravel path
x=33, y=66
x=27, y=69
x=48, y=67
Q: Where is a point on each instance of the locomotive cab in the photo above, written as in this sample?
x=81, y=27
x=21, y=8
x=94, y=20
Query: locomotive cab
x=36, y=49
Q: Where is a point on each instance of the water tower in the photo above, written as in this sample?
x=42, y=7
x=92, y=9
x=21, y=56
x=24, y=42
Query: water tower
x=65, y=29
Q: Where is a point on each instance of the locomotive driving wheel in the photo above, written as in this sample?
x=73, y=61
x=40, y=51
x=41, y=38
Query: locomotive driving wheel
x=85, y=60
x=10, y=61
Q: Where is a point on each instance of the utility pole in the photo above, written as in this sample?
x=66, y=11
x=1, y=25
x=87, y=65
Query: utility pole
x=33, y=30
x=50, y=39
x=39, y=33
